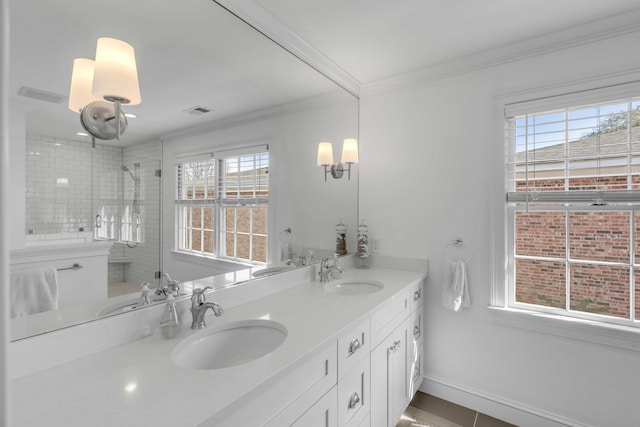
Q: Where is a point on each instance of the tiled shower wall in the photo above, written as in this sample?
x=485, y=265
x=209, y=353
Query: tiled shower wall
x=144, y=257
x=59, y=173
x=68, y=180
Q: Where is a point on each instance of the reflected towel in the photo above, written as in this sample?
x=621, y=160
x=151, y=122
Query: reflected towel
x=33, y=291
x=455, y=292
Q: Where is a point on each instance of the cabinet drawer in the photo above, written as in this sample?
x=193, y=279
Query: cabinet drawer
x=416, y=325
x=293, y=394
x=353, y=395
x=323, y=414
x=416, y=296
x=388, y=317
x=353, y=346
x=415, y=370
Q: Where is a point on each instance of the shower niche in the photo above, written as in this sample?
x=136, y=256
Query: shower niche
x=79, y=192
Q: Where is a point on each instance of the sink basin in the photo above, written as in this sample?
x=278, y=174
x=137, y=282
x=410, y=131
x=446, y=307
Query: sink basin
x=270, y=270
x=229, y=345
x=353, y=286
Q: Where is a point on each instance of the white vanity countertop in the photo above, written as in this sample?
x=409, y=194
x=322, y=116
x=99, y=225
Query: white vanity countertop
x=138, y=384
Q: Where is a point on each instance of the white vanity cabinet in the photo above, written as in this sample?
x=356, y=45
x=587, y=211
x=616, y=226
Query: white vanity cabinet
x=379, y=362
x=396, y=354
x=82, y=269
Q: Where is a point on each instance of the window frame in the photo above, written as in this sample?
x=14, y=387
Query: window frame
x=502, y=262
x=219, y=203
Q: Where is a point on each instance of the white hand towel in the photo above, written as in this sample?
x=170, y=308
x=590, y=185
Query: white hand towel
x=33, y=291
x=455, y=292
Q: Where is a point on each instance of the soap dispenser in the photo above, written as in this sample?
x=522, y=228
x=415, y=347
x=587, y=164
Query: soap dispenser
x=170, y=322
x=145, y=299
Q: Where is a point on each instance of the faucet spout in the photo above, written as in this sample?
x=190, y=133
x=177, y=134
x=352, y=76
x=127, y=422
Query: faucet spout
x=326, y=270
x=198, y=318
x=173, y=286
x=199, y=307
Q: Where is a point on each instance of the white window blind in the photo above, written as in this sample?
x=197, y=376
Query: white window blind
x=586, y=154
x=222, y=203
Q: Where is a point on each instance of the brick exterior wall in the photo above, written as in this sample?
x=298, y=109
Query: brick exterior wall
x=239, y=222
x=601, y=236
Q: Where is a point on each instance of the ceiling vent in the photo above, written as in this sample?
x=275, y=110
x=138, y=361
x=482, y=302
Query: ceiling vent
x=198, y=111
x=41, y=95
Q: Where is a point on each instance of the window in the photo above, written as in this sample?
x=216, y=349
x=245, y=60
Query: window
x=573, y=206
x=222, y=203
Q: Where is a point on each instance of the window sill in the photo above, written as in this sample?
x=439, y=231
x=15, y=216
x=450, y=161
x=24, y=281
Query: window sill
x=579, y=329
x=205, y=260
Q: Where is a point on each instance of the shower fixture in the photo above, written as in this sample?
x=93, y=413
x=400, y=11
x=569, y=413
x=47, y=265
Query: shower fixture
x=135, y=176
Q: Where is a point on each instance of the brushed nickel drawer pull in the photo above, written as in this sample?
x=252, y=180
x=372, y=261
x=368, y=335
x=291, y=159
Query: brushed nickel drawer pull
x=354, y=346
x=416, y=331
x=354, y=400
x=416, y=295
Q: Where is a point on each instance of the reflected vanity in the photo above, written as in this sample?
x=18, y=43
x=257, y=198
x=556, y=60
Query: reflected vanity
x=255, y=90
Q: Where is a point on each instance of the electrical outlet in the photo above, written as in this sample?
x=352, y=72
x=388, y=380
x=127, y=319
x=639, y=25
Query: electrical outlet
x=375, y=246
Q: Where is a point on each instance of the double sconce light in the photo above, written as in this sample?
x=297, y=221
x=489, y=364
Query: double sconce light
x=99, y=87
x=349, y=157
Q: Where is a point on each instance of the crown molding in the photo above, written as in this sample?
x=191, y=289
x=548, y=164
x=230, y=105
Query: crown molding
x=591, y=32
x=274, y=29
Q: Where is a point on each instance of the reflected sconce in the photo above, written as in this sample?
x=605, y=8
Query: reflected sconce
x=349, y=157
x=100, y=87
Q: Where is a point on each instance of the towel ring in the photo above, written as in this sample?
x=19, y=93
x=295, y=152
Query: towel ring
x=457, y=244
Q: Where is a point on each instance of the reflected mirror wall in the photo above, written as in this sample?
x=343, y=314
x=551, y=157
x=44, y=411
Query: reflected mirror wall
x=191, y=56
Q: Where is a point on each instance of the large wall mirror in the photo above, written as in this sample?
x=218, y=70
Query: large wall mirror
x=208, y=82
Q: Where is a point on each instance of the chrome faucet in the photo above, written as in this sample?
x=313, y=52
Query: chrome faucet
x=173, y=286
x=326, y=269
x=302, y=260
x=199, y=306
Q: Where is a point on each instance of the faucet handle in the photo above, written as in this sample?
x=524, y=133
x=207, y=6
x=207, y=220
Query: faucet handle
x=199, y=295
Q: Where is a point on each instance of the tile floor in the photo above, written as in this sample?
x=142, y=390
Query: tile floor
x=429, y=411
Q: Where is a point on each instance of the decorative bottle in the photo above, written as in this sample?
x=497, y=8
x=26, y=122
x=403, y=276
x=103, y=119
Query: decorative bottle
x=362, y=253
x=341, y=238
x=170, y=322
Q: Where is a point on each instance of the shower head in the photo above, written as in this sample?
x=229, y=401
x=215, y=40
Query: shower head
x=126, y=169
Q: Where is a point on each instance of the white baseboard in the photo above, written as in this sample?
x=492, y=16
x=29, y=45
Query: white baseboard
x=495, y=406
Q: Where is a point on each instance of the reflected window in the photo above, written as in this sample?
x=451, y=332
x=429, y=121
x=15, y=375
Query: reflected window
x=222, y=204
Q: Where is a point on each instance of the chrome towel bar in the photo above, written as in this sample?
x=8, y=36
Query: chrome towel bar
x=75, y=266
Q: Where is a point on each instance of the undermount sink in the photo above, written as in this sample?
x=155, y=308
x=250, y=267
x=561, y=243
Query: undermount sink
x=270, y=270
x=353, y=286
x=229, y=345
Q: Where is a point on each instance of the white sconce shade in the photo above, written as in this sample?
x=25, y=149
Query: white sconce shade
x=325, y=154
x=81, y=83
x=350, y=151
x=116, y=74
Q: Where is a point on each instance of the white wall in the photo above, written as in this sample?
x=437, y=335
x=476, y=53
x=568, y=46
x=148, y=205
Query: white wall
x=16, y=197
x=433, y=142
x=300, y=198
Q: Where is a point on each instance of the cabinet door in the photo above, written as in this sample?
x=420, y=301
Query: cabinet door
x=390, y=377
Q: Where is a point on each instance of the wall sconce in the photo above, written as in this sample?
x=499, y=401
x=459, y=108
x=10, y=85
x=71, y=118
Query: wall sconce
x=349, y=157
x=100, y=87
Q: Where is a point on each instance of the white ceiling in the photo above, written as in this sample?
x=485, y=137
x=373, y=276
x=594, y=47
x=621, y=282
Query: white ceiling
x=377, y=39
x=194, y=53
